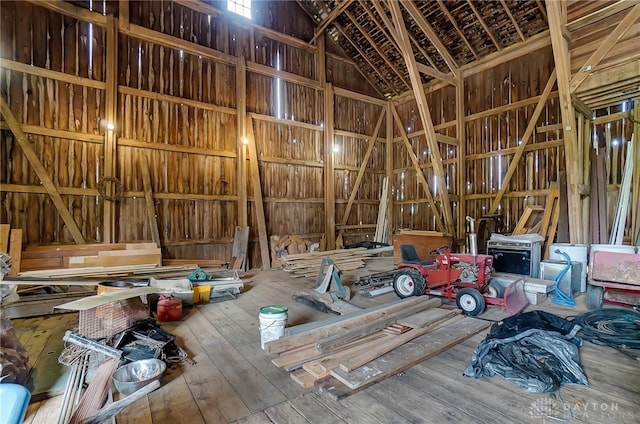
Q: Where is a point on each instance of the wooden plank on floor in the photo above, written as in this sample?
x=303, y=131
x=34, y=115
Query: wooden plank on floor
x=138, y=412
x=303, y=378
x=410, y=353
x=173, y=403
x=216, y=399
x=257, y=418
x=256, y=392
x=48, y=411
x=240, y=330
x=314, y=411
x=204, y=378
x=343, y=409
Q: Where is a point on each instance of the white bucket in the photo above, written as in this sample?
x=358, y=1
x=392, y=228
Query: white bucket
x=577, y=253
x=273, y=319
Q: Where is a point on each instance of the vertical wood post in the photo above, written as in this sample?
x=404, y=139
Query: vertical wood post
x=557, y=21
x=241, y=115
x=462, y=151
x=329, y=191
x=389, y=169
x=110, y=140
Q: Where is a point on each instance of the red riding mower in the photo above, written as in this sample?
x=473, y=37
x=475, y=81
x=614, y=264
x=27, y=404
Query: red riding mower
x=464, y=277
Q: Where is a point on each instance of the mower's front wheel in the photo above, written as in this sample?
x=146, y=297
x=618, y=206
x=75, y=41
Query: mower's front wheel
x=470, y=301
x=409, y=282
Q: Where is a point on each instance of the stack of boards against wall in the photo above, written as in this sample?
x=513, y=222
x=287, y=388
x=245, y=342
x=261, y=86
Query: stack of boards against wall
x=342, y=355
x=39, y=260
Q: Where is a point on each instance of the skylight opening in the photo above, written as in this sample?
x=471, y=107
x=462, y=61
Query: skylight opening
x=241, y=7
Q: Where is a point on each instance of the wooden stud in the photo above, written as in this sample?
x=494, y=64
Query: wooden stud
x=241, y=160
x=110, y=141
x=425, y=115
x=5, y=230
x=254, y=171
x=41, y=172
x=563, y=68
x=389, y=161
x=143, y=162
x=462, y=151
x=329, y=177
x=15, y=251
x=515, y=160
x=419, y=171
x=363, y=167
x=605, y=47
x=47, y=73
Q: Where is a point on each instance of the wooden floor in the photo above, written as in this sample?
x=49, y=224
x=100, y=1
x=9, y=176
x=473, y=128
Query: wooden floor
x=233, y=380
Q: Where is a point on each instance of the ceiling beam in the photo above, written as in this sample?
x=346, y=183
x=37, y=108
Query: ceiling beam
x=428, y=70
x=424, y=26
x=455, y=25
x=513, y=20
x=556, y=11
x=377, y=48
x=484, y=25
x=332, y=17
x=604, y=48
x=425, y=116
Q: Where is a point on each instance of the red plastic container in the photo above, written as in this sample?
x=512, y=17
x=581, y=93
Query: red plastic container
x=169, y=309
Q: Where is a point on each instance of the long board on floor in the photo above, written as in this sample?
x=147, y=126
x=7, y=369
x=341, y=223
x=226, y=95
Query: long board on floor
x=410, y=353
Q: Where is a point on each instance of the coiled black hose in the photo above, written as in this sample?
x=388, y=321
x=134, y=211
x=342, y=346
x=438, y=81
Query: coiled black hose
x=615, y=327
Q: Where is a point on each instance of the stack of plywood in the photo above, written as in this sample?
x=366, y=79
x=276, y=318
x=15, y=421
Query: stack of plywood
x=308, y=264
x=345, y=354
x=35, y=258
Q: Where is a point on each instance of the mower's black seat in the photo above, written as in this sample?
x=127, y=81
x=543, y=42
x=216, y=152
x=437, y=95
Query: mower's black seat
x=410, y=256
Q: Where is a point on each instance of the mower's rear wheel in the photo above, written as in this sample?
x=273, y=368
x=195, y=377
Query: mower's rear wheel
x=595, y=296
x=470, y=301
x=409, y=282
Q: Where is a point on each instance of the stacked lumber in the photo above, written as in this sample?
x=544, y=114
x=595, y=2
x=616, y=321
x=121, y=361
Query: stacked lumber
x=308, y=264
x=35, y=258
x=342, y=355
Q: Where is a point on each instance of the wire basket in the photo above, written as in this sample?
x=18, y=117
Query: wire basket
x=112, y=318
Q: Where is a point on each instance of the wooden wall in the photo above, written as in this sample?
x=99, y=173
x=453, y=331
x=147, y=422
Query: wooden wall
x=176, y=88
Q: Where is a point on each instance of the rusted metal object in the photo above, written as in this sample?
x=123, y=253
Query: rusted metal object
x=616, y=267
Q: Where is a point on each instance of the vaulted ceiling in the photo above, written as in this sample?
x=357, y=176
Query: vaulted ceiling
x=444, y=35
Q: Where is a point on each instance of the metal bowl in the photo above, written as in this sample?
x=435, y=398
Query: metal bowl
x=134, y=376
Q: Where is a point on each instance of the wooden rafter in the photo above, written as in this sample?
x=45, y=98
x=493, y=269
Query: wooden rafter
x=421, y=100
x=455, y=25
x=41, y=172
x=557, y=21
x=425, y=27
x=416, y=166
x=329, y=168
x=391, y=34
x=377, y=48
x=484, y=25
x=363, y=167
x=363, y=55
x=604, y=48
x=422, y=51
x=528, y=132
x=513, y=20
x=332, y=17
x=543, y=11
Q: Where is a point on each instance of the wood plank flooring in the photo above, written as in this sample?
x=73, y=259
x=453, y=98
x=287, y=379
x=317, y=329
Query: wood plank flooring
x=233, y=380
